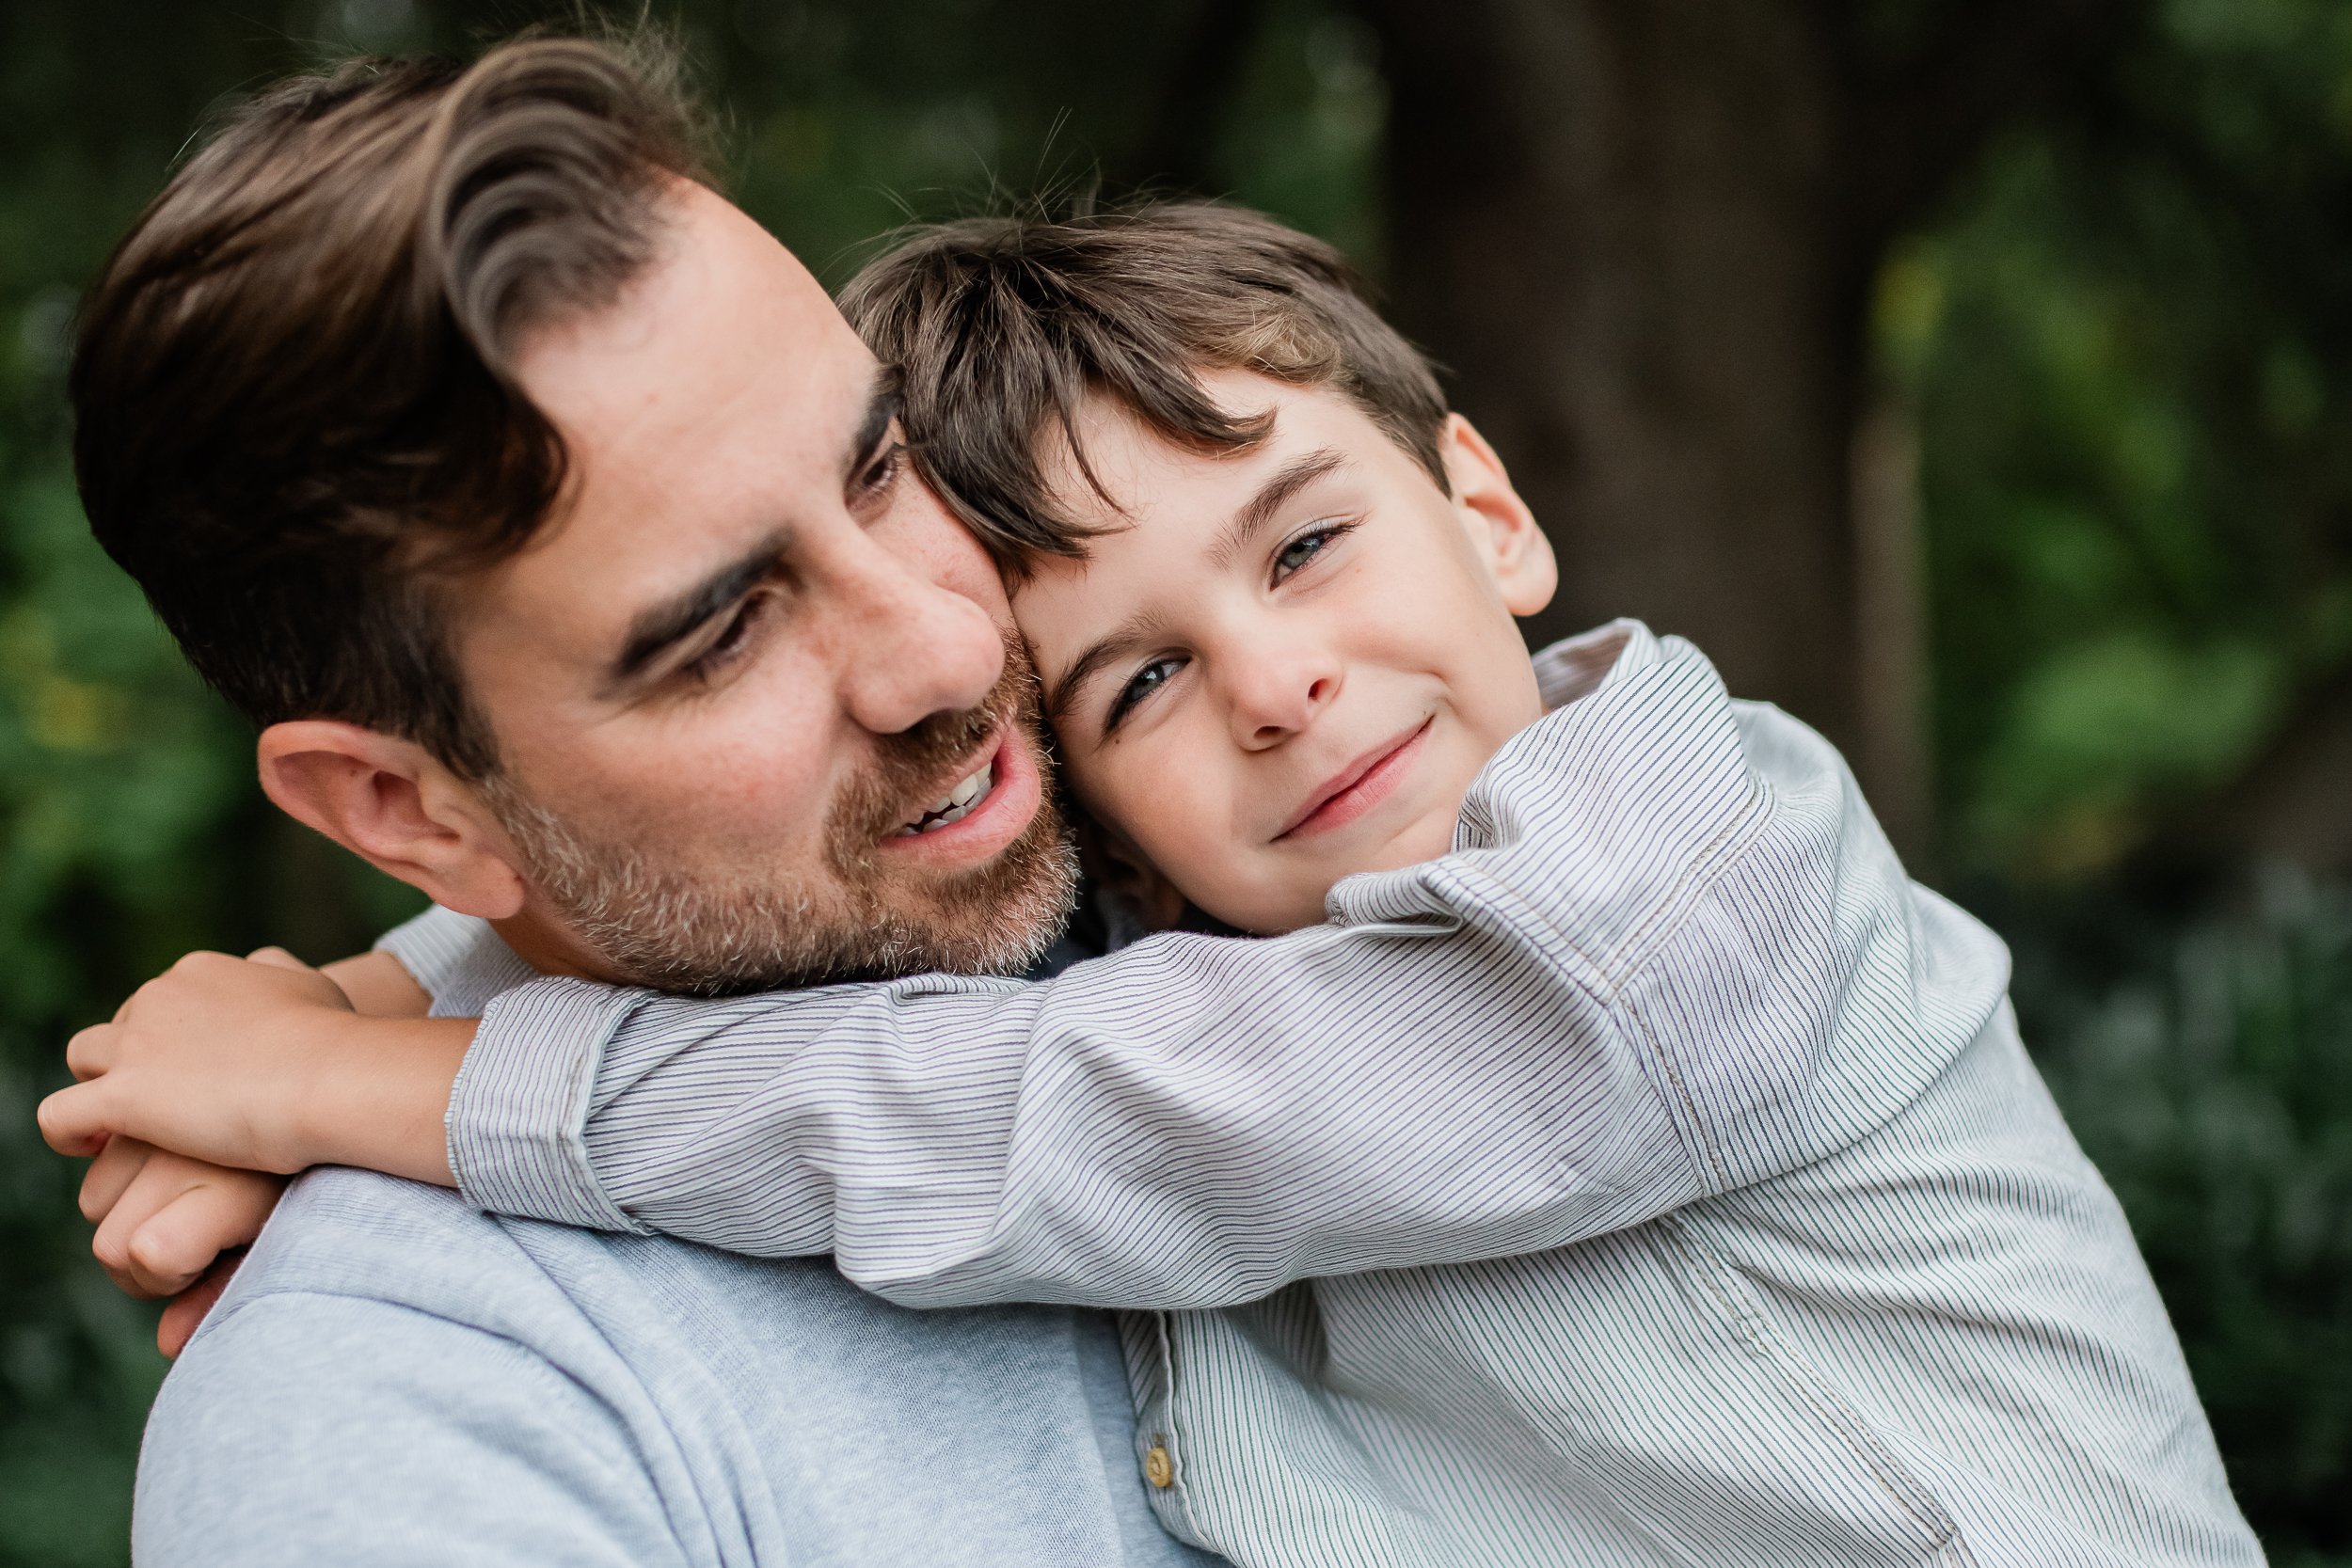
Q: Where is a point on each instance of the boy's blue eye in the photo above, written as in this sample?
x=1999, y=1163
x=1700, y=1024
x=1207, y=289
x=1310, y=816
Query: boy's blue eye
x=1298, y=551
x=1141, y=684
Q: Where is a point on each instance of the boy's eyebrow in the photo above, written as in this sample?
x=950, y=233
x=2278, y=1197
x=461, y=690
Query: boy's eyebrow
x=662, y=626
x=1063, y=689
x=1260, y=508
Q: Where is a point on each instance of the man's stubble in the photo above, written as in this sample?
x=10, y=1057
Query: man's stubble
x=658, y=920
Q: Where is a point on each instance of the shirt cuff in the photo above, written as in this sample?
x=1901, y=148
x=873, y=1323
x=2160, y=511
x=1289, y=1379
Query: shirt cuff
x=433, y=946
x=518, y=1112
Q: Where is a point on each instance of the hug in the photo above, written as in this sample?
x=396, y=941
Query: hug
x=1025, y=969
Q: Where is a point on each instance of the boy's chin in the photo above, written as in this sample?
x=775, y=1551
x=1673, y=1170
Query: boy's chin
x=1263, y=914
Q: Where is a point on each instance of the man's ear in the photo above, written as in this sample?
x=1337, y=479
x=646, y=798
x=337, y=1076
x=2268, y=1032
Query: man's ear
x=396, y=806
x=1501, y=527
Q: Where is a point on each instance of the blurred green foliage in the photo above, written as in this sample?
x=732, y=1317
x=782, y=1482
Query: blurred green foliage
x=2129, y=343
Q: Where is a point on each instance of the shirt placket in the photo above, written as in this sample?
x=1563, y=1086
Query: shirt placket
x=1148, y=1340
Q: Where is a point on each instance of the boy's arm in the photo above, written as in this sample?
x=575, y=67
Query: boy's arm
x=378, y=986
x=163, y=1220
x=445, y=957
x=1673, y=956
x=265, y=1064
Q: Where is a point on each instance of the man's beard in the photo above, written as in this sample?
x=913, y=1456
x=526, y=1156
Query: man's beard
x=703, y=933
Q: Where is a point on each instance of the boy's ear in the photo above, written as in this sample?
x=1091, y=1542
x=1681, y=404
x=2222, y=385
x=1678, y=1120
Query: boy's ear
x=1501, y=527
x=396, y=806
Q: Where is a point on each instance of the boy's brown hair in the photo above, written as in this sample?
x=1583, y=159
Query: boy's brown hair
x=295, y=392
x=1001, y=325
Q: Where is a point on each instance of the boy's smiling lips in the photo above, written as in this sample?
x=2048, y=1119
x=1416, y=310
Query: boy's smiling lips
x=1354, y=790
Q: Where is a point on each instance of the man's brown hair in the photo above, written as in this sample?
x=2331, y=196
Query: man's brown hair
x=294, y=389
x=1002, y=326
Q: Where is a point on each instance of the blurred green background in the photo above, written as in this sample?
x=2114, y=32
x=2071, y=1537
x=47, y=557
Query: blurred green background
x=2069, y=282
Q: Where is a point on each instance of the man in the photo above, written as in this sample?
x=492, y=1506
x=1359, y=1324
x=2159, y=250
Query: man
x=556, y=529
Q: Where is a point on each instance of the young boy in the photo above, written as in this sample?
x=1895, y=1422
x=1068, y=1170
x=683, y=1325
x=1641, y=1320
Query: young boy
x=1616, y=1160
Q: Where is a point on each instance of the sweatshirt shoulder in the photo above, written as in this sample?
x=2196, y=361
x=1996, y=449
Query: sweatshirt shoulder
x=358, y=1234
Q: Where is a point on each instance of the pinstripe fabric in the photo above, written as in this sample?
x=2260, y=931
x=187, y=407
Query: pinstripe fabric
x=1657, y=1179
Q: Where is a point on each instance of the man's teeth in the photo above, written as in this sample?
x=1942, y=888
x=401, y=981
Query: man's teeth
x=954, y=806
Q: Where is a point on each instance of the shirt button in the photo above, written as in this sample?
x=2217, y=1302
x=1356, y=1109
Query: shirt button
x=1158, y=1468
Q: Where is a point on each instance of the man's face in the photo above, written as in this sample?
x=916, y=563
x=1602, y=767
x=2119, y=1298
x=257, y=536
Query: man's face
x=730, y=681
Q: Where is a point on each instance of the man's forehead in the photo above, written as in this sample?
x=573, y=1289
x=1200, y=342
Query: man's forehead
x=721, y=312
x=706, y=408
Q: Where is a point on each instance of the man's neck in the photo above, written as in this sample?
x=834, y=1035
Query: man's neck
x=550, y=949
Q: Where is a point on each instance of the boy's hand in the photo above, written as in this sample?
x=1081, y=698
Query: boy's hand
x=169, y=1225
x=261, y=1064
x=210, y=1060
x=187, y=1310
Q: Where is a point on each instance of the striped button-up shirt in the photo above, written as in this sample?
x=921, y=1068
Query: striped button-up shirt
x=1655, y=1179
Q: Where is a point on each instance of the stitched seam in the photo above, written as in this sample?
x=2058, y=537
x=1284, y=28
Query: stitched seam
x=1714, y=858
x=1710, y=861
x=1695, y=1131
x=1747, y=829
x=1914, y=1500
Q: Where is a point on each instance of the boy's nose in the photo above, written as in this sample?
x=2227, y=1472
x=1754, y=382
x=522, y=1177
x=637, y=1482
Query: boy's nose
x=1275, y=695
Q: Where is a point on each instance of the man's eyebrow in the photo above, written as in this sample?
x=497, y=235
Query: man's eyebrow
x=662, y=626
x=1260, y=508
x=1063, y=689
x=882, y=405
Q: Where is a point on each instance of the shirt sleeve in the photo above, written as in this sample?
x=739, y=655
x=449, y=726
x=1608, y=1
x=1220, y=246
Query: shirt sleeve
x=438, y=946
x=307, y=1428
x=1672, y=954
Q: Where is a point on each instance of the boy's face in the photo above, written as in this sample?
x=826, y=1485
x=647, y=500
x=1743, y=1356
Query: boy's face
x=1283, y=666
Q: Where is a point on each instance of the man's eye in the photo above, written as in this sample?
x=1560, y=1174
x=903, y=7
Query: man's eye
x=731, y=643
x=1306, y=546
x=1144, y=682
x=883, y=471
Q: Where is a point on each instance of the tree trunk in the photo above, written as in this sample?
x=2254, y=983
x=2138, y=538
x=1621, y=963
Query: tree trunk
x=1891, y=750
x=1618, y=223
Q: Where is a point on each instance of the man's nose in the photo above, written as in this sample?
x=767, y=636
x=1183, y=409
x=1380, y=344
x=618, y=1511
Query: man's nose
x=910, y=648
x=1275, y=692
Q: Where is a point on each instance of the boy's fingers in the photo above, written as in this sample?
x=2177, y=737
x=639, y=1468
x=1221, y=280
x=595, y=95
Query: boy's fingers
x=72, y=1122
x=179, y=1241
x=148, y=1191
x=117, y=1164
x=276, y=957
x=92, y=1051
x=187, y=1310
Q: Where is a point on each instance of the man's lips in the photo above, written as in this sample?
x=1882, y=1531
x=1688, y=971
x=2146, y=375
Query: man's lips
x=997, y=816
x=1354, y=789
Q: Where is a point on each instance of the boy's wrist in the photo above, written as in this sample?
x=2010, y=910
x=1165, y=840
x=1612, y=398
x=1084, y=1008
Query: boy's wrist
x=312, y=1107
x=375, y=1093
